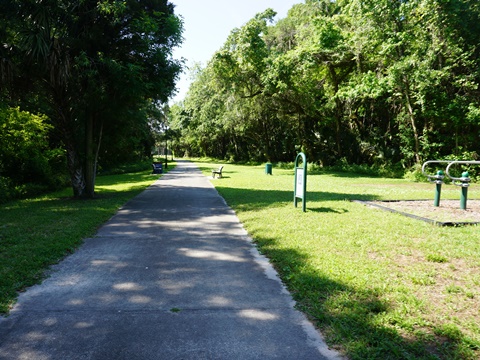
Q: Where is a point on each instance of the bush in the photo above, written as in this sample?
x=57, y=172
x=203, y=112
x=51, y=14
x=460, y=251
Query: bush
x=128, y=167
x=5, y=189
x=28, y=166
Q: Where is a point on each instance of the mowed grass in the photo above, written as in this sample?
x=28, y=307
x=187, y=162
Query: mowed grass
x=37, y=233
x=379, y=285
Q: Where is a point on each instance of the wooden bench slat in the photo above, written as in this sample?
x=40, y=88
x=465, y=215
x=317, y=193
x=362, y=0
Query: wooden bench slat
x=217, y=172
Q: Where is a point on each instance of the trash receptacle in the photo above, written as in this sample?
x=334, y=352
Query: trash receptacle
x=268, y=169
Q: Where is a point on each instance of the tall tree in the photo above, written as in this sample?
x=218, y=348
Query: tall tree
x=94, y=61
x=383, y=82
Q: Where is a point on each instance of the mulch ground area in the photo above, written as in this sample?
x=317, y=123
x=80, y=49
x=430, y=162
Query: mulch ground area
x=448, y=212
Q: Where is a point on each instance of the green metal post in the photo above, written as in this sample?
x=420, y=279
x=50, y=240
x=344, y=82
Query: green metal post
x=463, y=198
x=438, y=192
x=465, y=184
x=438, y=189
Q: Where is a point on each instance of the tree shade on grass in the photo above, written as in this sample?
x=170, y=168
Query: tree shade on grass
x=36, y=233
x=379, y=285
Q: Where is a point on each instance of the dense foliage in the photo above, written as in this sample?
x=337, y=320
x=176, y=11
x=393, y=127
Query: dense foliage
x=97, y=69
x=25, y=156
x=378, y=82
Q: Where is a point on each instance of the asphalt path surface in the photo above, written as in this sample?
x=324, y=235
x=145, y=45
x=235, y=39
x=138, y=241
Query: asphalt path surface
x=173, y=275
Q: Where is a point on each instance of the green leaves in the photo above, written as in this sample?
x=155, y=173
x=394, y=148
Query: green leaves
x=335, y=78
x=95, y=65
x=24, y=152
x=115, y=7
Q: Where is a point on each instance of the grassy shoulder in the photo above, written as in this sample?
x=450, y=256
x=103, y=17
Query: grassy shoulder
x=379, y=285
x=36, y=233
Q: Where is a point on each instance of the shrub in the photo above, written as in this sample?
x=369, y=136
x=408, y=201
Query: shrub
x=27, y=164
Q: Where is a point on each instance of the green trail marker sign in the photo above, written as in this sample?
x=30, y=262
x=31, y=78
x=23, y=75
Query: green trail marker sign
x=300, y=185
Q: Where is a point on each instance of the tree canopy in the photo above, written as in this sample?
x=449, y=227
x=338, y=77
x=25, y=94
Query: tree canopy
x=96, y=68
x=378, y=82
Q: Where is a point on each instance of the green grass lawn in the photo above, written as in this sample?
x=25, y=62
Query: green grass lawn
x=379, y=285
x=37, y=233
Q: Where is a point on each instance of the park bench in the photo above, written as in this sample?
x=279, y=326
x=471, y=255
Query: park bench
x=157, y=168
x=217, y=172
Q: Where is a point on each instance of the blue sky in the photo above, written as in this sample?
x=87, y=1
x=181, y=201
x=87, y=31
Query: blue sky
x=207, y=24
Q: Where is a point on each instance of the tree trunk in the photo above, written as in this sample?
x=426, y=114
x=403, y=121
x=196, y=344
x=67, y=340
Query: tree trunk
x=89, y=158
x=411, y=116
x=338, y=110
x=97, y=153
x=74, y=163
x=76, y=172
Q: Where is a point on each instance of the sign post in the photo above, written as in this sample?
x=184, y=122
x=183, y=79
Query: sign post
x=300, y=185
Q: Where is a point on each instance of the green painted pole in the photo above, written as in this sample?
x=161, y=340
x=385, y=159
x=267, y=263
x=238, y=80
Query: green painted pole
x=438, y=192
x=463, y=198
x=465, y=183
x=438, y=188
